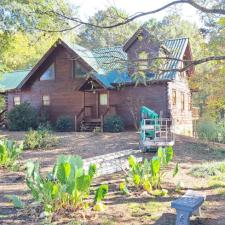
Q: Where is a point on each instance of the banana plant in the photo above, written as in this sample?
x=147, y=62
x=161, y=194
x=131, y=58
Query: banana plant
x=9, y=152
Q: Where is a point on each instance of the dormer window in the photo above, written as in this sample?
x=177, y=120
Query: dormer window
x=78, y=70
x=142, y=61
x=49, y=74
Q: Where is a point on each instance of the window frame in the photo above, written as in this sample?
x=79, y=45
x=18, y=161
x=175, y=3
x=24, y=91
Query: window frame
x=49, y=67
x=143, y=65
x=105, y=101
x=14, y=102
x=46, y=100
x=74, y=67
x=174, y=97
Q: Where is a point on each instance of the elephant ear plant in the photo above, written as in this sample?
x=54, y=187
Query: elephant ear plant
x=67, y=186
x=148, y=175
x=9, y=152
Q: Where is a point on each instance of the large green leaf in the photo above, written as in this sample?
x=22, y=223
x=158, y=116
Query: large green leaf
x=155, y=165
x=83, y=183
x=101, y=192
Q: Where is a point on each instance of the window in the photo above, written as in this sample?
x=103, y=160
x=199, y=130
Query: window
x=45, y=100
x=174, y=97
x=182, y=101
x=103, y=99
x=16, y=100
x=49, y=74
x=78, y=70
x=143, y=61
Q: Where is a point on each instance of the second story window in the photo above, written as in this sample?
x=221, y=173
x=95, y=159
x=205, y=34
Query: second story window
x=16, y=100
x=174, y=97
x=45, y=100
x=78, y=70
x=182, y=101
x=142, y=61
x=49, y=74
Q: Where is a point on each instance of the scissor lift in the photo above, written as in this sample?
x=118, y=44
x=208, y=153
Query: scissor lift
x=154, y=130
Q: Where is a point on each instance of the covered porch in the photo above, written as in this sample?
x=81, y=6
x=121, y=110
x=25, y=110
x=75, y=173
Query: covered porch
x=96, y=105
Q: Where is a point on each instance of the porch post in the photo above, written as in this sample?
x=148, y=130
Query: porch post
x=97, y=104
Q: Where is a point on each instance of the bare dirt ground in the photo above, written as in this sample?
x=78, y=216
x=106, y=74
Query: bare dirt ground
x=137, y=209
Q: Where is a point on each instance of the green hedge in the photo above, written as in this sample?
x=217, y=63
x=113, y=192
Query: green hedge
x=64, y=124
x=113, y=124
x=22, y=117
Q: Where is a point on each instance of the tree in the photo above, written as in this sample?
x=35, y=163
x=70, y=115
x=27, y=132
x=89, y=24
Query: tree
x=92, y=37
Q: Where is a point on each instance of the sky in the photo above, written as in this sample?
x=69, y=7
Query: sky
x=89, y=7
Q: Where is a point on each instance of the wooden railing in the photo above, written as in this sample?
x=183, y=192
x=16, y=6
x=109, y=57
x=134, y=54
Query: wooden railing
x=2, y=117
x=76, y=119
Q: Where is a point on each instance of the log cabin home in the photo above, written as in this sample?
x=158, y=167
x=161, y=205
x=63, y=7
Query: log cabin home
x=89, y=85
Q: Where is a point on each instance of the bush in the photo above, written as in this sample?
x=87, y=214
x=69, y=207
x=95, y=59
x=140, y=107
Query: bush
x=39, y=139
x=209, y=169
x=64, y=124
x=207, y=130
x=113, y=124
x=22, y=118
x=211, y=131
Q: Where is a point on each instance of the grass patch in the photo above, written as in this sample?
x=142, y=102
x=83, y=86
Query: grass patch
x=148, y=211
x=208, y=169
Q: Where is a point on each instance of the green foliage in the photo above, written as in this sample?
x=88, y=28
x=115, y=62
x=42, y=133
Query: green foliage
x=22, y=117
x=17, y=203
x=147, y=175
x=67, y=185
x=92, y=37
x=113, y=124
x=9, y=152
x=211, y=131
x=65, y=124
x=39, y=139
x=208, y=169
x=123, y=188
x=100, y=194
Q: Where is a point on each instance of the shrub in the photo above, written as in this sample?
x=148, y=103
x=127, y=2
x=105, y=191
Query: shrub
x=22, y=117
x=64, y=124
x=209, y=169
x=211, y=131
x=39, y=139
x=66, y=187
x=9, y=152
x=113, y=124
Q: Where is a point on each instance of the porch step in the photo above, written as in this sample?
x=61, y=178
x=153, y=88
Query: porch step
x=89, y=126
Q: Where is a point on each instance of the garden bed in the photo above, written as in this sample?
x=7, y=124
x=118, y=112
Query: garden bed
x=139, y=208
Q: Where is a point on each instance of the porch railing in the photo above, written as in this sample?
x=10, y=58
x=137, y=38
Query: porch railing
x=2, y=117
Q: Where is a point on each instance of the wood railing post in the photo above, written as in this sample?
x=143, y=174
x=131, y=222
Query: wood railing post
x=75, y=123
x=102, y=123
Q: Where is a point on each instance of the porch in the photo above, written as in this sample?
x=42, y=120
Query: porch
x=96, y=106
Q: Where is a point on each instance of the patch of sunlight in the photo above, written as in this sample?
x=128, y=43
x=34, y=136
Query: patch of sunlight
x=208, y=169
x=151, y=210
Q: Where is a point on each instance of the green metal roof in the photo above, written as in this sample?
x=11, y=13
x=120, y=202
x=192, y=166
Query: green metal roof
x=109, y=65
x=11, y=80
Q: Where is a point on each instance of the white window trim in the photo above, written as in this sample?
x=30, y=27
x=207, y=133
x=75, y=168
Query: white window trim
x=46, y=100
x=15, y=101
x=104, y=101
